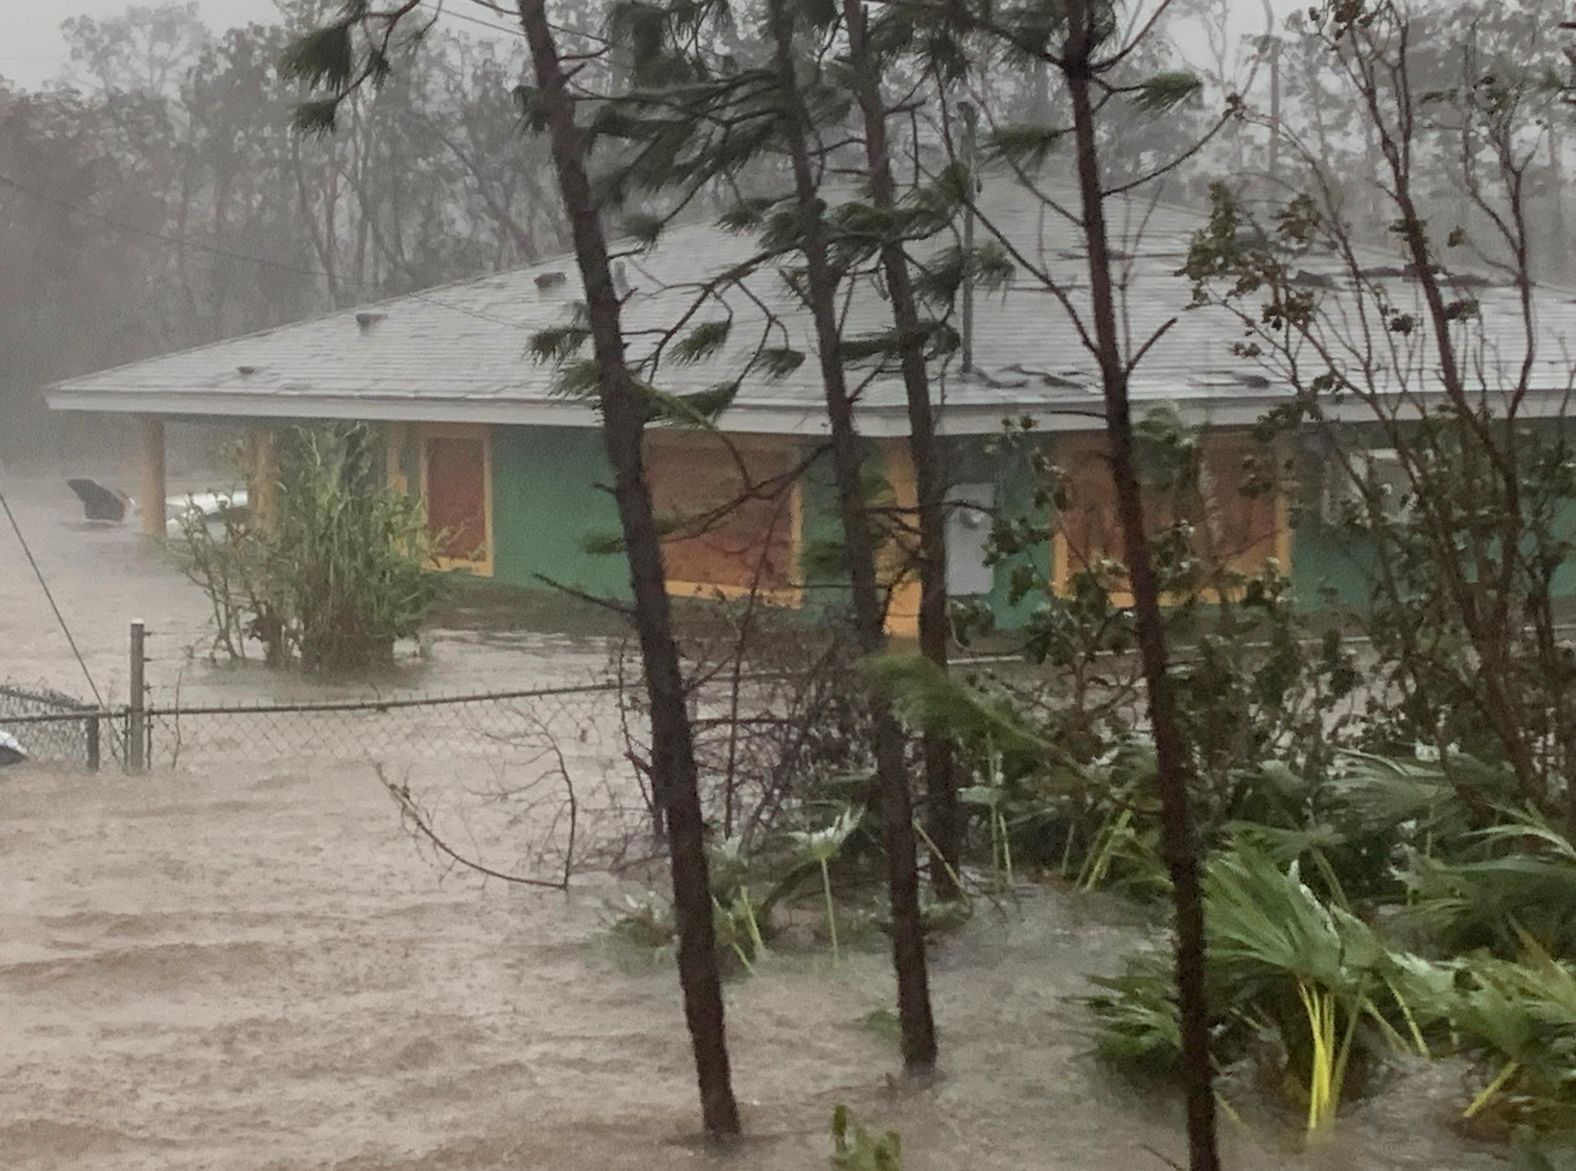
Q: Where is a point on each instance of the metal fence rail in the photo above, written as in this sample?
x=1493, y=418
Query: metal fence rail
x=53, y=727
x=533, y=782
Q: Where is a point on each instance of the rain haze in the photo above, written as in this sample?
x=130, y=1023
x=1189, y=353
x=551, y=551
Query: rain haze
x=886, y=586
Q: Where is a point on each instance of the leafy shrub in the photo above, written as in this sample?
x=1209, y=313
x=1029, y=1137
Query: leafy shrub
x=335, y=575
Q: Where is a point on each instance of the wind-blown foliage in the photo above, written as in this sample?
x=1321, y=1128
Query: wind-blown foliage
x=338, y=571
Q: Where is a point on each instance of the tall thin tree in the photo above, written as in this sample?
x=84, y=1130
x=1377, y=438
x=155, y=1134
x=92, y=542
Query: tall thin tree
x=908, y=939
x=1081, y=67
x=925, y=452
x=326, y=58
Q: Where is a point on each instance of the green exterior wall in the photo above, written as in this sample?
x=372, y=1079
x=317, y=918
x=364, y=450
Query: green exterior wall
x=821, y=538
x=548, y=501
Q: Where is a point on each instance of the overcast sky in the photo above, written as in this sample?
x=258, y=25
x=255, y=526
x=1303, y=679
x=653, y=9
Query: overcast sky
x=33, y=52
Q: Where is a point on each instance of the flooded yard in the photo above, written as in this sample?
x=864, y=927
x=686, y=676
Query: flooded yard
x=253, y=966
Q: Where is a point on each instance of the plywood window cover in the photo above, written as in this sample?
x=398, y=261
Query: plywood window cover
x=1279, y=538
x=482, y=567
x=790, y=595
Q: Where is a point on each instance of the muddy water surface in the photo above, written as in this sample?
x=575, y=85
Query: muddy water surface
x=251, y=966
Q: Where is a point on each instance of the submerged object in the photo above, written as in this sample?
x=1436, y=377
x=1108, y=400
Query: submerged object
x=11, y=750
x=99, y=502
x=211, y=508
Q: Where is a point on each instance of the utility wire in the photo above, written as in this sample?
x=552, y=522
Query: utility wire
x=515, y=30
x=476, y=20
x=44, y=585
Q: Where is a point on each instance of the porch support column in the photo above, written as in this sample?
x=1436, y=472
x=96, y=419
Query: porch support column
x=262, y=488
x=152, y=475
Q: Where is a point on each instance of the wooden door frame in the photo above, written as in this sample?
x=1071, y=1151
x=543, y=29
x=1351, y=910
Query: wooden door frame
x=482, y=432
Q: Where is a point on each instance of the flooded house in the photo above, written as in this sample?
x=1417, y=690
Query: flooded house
x=510, y=465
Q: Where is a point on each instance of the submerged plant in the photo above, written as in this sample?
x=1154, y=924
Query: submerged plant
x=820, y=846
x=1280, y=959
x=1519, y=1019
x=646, y=922
x=334, y=573
x=992, y=796
x=737, y=914
x=856, y=1149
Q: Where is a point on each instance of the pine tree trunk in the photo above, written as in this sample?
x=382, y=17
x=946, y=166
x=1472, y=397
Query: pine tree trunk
x=673, y=755
x=1178, y=839
x=941, y=788
x=908, y=939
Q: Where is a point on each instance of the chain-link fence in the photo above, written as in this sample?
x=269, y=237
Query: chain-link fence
x=529, y=784
x=542, y=775
x=54, y=728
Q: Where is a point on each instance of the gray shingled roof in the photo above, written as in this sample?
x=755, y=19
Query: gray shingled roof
x=460, y=352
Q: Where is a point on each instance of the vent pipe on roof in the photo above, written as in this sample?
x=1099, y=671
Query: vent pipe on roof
x=970, y=116
x=365, y=320
x=548, y=282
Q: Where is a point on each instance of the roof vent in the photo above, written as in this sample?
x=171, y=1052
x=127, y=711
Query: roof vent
x=365, y=320
x=246, y=369
x=620, y=279
x=546, y=282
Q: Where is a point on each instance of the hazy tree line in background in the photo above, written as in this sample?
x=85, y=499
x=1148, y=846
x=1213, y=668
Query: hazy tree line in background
x=170, y=131
x=163, y=127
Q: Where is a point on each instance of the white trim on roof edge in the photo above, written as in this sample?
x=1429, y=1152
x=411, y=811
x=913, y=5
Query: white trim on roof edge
x=879, y=422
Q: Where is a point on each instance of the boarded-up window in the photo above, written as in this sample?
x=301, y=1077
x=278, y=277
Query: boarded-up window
x=456, y=484
x=731, y=528
x=1237, y=524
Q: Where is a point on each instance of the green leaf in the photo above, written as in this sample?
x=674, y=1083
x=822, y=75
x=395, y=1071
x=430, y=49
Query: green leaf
x=318, y=117
x=558, y=344
x=645, y=228
x=703, y=341
x=709, y=403
x=322, y=57
x=858, y=349
x=1025, y=145
x=580, y=379
x=698, y=409
x=745, y=216
x=1167, y=90
x=778, y=361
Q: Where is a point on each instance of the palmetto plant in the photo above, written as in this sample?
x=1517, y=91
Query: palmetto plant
x=1506, y=883
x=1282, y=960
x=1305, y=968
x=1519, y=1019
x=338, y=572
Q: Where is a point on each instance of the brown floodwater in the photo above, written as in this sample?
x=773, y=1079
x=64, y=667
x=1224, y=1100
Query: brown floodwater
x=253, y=966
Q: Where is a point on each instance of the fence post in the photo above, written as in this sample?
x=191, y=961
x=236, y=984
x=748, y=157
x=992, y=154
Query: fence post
x=91, y=730
x=136, y=710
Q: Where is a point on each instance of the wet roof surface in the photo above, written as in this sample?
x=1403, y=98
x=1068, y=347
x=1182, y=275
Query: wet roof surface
x=463, y=350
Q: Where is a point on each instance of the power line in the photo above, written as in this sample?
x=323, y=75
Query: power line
x=44, y=585
x=514, y=30
x=230, y=254
x=476, y=20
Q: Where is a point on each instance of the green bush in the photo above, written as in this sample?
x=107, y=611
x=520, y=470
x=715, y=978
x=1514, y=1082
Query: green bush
x=338, y=572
